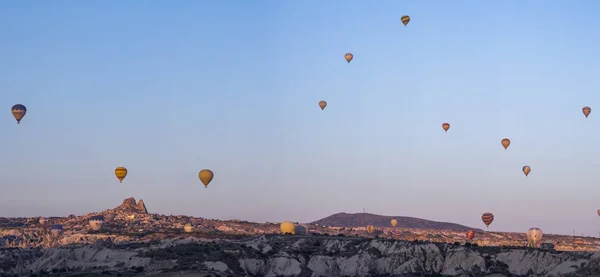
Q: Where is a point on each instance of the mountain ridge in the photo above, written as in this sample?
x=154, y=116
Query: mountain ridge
x=363, y=219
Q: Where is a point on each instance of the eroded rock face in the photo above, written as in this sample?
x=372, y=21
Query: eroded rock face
x=130, y=206
x=273, y=255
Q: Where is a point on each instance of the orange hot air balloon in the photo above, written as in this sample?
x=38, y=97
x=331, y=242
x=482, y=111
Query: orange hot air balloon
x=370, y=229
x=586, y=111
x=322, y=104
x=205, y=175
x=405, y=19
x=487, y=218
x=470, y=234
x=394, y=222
x=348, y=57
x=121, y=173
x=526, y=170
x=505, y=143
x=446, y=126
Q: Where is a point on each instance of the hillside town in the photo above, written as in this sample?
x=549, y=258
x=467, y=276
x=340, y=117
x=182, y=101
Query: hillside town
x=131, y=222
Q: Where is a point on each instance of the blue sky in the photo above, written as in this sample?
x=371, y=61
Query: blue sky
x=166, y=88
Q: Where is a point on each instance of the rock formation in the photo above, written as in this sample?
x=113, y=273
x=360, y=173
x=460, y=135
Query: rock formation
x=130, y=206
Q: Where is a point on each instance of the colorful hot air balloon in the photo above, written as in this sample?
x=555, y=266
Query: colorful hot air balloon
x=121, y=173
x=322, y=104
x=96, y=222
x=287, y=227
x=526, y=170
x=348, y=57
x=505, y=143
x=18, y=111
x=205, y=175
x=370, y=228
x=300, y=230
x=187, y=228
x=534, y=237
x=487, y=218
x=405, y=19
x=394, y=222
x=446, y=127
x=598, y=212
x=586, y=111
x=470, y=234
x=56, y=230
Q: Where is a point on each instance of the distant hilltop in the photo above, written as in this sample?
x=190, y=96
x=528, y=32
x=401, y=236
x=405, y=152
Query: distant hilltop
x=364, y=219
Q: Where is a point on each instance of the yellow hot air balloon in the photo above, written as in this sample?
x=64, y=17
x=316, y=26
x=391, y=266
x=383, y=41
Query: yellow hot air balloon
x=505, y=143
x=586, y=111
x=121, y=173
x=348, y=57
x=287, y=227
x=526, y=170
x=322, y=104
x=187, y=228
x=446, y=126
x=370, y=229
x=405, y=19
x=205, y=175
x=394, y=222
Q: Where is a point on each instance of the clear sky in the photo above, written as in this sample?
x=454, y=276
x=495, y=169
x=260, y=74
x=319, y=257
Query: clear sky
x=166, y=88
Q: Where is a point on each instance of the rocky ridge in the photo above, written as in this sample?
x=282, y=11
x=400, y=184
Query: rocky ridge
x=276, y=255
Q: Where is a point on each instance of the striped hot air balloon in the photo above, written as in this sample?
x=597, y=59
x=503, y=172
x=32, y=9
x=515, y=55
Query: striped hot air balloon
x=470, y=234
x=121, y=173
x=487, y=218
x=405, y=19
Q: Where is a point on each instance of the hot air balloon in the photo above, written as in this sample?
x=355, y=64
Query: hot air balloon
x=586, y=111
x=110, y=216
x=526, y=170
x=598, y=212
x=348, y=57
x=405, y=19
x=205, y=175
x=322, y=104
x=446, y=127
x=370, y=228
x=187, y=228
x=18, y=111
x=487, y=218
x=394, y=222
x=121, y=173
x=287, y=227
x=534, y=237
x=505, y=143
x=56, y=230
x=300, y=230
x=96, y=222
x=42, y=220
x=470, y=234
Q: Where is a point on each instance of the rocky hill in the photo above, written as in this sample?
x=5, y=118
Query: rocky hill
x=364, y=219
x=276, y=255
